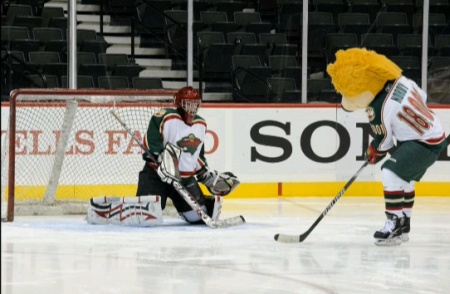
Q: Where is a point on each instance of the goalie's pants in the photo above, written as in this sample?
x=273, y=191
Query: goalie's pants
x=150, y=184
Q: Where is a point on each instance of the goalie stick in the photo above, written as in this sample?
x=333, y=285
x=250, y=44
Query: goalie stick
x=213, y=224
x=298, y=239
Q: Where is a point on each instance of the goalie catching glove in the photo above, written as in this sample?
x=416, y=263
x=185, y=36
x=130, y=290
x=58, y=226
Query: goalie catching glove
x=219, y=184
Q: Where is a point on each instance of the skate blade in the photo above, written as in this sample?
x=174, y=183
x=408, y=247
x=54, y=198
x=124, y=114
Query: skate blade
x=389, y=242
x=405, y=237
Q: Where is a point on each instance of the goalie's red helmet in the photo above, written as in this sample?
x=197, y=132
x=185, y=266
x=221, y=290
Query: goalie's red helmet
x=187, y=100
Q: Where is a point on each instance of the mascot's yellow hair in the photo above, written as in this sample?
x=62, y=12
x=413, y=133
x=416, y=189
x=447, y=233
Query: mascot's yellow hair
x=358, y=70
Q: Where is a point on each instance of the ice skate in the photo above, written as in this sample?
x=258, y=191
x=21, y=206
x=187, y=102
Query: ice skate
x=406, y=228
x=391, y=233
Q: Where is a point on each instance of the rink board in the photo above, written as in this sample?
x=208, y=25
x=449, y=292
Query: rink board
x=275, y=150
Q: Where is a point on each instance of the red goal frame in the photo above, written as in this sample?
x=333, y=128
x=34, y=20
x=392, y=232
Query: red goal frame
x=167, y=94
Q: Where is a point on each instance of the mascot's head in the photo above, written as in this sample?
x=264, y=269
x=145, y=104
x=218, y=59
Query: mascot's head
x=359, y=75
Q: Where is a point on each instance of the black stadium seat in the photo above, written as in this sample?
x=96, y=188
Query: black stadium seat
x=116, y=82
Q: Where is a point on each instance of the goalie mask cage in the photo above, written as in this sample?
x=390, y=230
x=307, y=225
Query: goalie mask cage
x=61, y=147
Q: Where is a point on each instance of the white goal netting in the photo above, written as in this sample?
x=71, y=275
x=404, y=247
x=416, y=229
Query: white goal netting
x=62, y=147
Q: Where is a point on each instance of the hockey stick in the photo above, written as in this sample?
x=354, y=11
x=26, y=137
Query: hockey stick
x=213, y=224
x=298, y=239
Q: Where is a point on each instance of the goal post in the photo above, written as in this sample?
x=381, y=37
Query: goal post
x=69, y=116
x=61, y=147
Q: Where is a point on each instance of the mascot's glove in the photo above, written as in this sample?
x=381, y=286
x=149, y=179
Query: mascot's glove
x=168, y=164
x=373, y=156
x=219, y=184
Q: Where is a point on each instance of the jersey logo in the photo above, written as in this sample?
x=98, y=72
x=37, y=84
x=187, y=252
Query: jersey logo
x=160, y=113
x=370, y=113
x=189, y=143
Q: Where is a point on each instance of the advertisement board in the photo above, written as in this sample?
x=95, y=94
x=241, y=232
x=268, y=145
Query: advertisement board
x=262, y=144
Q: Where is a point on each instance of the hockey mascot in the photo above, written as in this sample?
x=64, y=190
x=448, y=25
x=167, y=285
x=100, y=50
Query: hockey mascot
x=175, y=164
x=401, y=123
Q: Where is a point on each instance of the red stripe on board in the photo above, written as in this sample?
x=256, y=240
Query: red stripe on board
x=203, y=105
x=93, y=105
x=280, y=189
x=268, y=105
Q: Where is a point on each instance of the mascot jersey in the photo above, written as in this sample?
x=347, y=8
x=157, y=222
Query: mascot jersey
x=399, y=111
x=167, y=126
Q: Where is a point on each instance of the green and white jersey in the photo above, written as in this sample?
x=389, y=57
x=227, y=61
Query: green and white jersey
x=399, y=112
x=167, y=126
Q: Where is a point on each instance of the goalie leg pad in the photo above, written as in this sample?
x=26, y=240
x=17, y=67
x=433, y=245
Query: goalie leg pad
x=213, y=207
x=192, y=217
x=141, y=211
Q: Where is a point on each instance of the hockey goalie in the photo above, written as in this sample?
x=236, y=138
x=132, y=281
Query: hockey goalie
x=173, y=152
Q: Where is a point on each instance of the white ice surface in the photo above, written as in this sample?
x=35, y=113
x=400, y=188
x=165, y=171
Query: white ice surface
x=56, y=255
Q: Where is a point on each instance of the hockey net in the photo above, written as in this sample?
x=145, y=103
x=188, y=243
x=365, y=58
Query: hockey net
x=61, y=147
